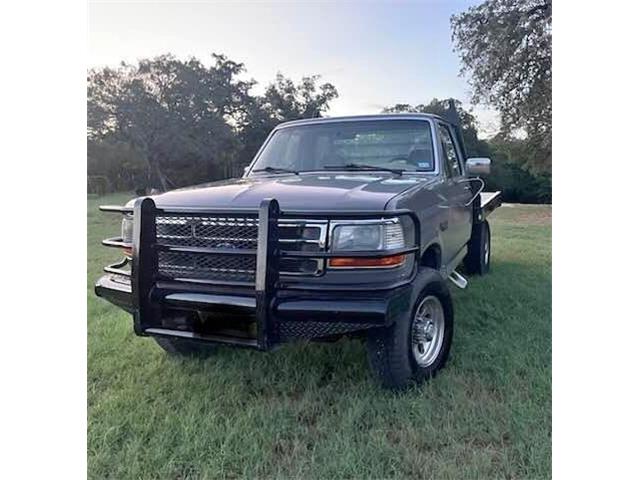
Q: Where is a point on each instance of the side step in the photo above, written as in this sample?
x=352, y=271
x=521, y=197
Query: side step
x=458, y=280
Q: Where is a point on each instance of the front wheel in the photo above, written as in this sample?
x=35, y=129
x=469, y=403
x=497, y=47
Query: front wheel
x=416, y=346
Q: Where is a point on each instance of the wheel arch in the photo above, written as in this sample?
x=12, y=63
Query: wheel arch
x=432, y=256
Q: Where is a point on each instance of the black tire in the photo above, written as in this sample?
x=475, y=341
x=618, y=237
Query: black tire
x=183, y=347
x=390, y=350
x=478, y=259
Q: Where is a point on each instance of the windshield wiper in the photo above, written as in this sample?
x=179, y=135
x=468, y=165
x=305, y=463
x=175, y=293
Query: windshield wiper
x=275, y=170
x=360, y=166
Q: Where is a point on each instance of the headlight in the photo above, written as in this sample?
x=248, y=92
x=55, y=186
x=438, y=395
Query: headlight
x=386, y=235
x=127, y=229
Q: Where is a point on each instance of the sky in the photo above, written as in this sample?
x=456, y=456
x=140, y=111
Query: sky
x=376, y=53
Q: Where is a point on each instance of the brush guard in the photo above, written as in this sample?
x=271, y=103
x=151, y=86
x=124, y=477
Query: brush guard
x=150, y=292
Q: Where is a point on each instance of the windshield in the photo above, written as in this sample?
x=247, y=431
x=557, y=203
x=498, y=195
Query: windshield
x=387, y=144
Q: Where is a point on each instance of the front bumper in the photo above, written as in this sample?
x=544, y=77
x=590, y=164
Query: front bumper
x=116, y=292
x=166, y=306
x=294, y=314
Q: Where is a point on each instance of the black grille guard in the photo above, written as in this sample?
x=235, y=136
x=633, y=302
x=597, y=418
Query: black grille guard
x=144, y=269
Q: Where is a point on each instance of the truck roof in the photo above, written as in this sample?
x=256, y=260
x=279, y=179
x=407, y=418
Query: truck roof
x=363, y=118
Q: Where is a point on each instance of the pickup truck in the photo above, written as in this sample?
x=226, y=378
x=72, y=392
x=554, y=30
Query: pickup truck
x=339, y=226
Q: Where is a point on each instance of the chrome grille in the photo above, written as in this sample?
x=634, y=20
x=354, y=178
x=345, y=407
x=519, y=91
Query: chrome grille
x=240, y=233
x=199, y=266
x=208, y=232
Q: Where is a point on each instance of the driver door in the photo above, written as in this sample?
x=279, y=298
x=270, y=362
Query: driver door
x=458, y=194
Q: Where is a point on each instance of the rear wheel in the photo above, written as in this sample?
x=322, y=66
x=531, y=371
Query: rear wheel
x=416, y=346
x=183, y=347
x=478, y=259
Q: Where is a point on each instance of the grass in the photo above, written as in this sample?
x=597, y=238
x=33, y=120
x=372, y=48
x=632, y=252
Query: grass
x=311, y=410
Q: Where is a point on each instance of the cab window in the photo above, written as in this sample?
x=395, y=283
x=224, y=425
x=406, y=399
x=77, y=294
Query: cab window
x=400, y=144
x=449, y=151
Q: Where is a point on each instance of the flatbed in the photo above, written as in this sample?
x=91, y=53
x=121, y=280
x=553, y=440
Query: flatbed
x=489, y=201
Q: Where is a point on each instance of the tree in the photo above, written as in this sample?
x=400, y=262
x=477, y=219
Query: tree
x=185, y=122
x=175, y=113
x=517, y=184
x=505, y=47
x=473, y=145
x=121, y=164
x=282, y=101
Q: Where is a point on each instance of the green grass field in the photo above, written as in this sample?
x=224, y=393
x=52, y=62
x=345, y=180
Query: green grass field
x=312, y=410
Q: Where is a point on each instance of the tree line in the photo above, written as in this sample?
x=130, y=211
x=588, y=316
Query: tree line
x=166, y=122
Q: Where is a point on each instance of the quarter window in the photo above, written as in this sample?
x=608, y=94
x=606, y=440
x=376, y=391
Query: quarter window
x=449, y=151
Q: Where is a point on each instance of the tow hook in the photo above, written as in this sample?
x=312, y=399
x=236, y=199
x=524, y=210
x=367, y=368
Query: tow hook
x=458, y=280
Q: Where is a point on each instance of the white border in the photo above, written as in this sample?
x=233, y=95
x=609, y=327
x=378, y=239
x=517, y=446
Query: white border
x=43, y=193
x=596, y=323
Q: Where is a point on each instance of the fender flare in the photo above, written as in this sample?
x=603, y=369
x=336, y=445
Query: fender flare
x=427, y=276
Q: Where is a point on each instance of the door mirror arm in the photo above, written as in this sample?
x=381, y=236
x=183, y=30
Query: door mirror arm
x=479, y=189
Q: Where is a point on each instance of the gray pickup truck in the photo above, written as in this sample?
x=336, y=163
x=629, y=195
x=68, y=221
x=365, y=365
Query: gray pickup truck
x=339, y=226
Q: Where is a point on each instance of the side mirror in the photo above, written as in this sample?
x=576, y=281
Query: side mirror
x=246, y=170
x=478, y=166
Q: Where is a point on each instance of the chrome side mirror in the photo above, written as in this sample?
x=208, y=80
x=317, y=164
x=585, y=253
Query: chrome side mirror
x=478, y=166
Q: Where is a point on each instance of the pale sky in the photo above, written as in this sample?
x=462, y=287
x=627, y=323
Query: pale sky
x=376, y=53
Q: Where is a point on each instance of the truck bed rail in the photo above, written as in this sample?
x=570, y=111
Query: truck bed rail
x=489, y=201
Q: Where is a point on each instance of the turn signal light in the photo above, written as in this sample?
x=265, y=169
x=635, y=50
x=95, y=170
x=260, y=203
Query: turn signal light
x=359, y=262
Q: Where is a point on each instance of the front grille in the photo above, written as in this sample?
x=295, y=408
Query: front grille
x=208, y=232
x=235, y=233
x=199, y=266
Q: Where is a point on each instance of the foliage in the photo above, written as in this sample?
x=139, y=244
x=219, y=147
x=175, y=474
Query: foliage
x=121, y=164
x=518, y=184
x=282, y=101
x=173, y=112
x=185, y=122
x=310, y=410
x=505, y=46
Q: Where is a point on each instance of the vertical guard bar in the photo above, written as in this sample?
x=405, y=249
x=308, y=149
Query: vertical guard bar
x=417, y=235
x=267, y=270
x=145, y=262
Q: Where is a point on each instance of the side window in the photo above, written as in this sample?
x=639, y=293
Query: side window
x=449, y=150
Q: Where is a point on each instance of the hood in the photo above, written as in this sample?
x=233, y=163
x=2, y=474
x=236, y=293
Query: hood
x=307, y=191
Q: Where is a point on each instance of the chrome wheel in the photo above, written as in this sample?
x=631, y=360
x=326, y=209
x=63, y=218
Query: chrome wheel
x=427, y=331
